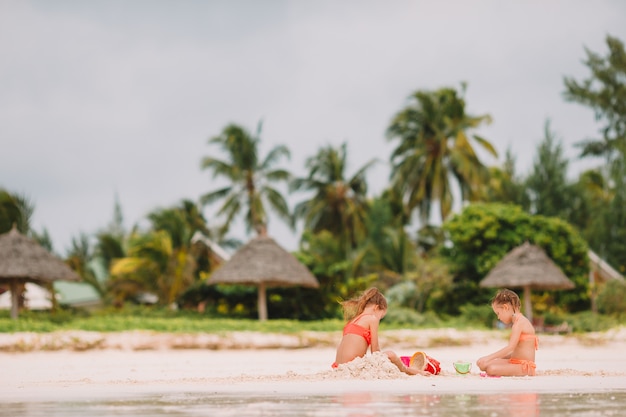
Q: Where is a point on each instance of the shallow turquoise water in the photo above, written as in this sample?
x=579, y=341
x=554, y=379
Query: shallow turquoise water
x=356, y=404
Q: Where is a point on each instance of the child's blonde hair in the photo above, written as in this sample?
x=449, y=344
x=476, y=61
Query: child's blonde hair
x=356, y=305
x=505, y=296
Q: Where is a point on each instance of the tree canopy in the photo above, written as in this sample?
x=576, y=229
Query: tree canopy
x=434, y=151
x=250, y=179
x=604, y=91
x=482, y=234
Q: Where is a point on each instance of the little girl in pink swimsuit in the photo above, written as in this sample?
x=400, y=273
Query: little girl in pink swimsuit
x=518, y=357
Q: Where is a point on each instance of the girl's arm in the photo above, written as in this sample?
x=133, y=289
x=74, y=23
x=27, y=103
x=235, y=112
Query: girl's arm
x=374, y=333
x=506, y=351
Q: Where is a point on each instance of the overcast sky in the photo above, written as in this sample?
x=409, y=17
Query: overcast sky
x=101, y=98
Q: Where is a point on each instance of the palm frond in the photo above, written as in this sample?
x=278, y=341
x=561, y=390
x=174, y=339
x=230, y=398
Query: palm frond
x=486, y=145
x=274, y=155
x=213, y=196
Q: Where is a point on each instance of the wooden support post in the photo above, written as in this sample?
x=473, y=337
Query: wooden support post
x=262, y=302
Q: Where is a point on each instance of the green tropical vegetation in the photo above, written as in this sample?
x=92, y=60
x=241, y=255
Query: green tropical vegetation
x=484, y=232
x=349, y=239
x=435, y=149
x=338, y=204
x=250, y=179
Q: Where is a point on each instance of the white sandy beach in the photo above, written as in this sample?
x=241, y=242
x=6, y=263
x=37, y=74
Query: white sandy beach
x=55, y=367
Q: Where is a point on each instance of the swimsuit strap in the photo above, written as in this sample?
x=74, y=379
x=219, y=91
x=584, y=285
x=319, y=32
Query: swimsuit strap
x=355, y=319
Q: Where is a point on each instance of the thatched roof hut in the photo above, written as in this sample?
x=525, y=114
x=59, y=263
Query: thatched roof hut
x=35, y=296
x=528, y=267
x=24, y=260
x=600, y=272
x=263, y=263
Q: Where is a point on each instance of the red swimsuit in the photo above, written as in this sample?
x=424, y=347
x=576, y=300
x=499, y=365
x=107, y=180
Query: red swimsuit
x=528, y=366
x=353, y=328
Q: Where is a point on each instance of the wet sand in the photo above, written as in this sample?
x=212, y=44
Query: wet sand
x=128, y=365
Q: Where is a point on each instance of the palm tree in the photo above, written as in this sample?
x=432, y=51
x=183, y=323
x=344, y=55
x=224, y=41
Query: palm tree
x=338, y=205
x=109, y=247
x=387, y=250
x=604, y=91
x=80, y=257
x=163, y=260
x=504, y=185
x=14, y=209
x=250, y=179
x=434, y=150
x=547, y=184
x=152, y=265
x=17, y=209
x=175, y=223
x=92, y=259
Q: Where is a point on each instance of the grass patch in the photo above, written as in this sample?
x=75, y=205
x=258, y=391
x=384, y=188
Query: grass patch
x=156, y=320
x=443, y=341
x=168, y=321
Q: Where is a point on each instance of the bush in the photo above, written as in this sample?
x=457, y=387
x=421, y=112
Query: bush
x=481, y=314
x=402, y=294
x=408, y=317
x=612, y=298
x=590, y=322
x=483, y=233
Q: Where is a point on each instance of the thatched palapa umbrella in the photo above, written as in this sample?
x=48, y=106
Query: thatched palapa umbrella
x=528, y=267
x=24, y=260
x=263, y=263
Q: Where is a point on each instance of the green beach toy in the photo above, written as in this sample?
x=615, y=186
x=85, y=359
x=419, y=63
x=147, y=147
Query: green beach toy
x=462, y=367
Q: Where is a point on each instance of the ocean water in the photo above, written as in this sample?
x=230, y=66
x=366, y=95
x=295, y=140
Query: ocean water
x=357, y=404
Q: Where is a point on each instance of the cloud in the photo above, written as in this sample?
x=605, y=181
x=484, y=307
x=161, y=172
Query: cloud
x=107, y=97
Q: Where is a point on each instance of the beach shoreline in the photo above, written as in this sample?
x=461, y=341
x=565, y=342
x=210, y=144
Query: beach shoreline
x=131, y=366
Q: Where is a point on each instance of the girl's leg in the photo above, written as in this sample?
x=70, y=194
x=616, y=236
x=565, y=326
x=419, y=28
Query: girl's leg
x=502, y=367
x=401, y=366
x=482, y=364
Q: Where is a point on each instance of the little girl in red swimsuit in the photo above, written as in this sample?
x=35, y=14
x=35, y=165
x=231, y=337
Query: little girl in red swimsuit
x=361, y=330
x=518, y=357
